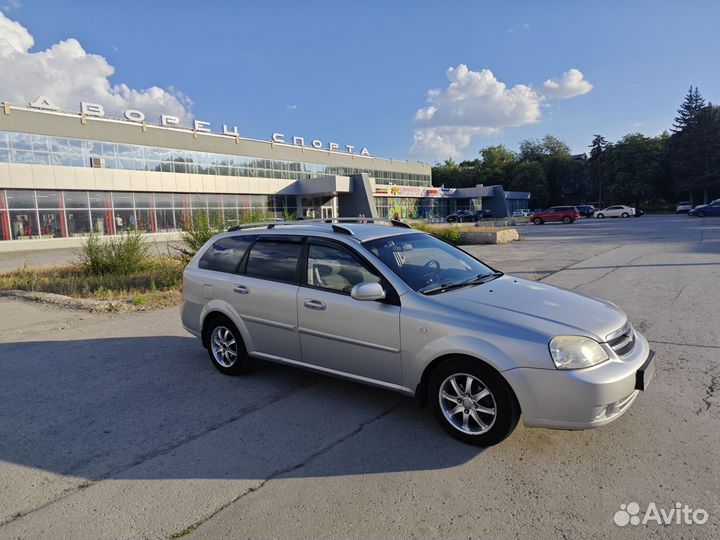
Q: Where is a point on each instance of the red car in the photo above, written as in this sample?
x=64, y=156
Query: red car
x=566, y=214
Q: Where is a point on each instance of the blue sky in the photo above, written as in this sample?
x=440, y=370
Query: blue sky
x=358, y=73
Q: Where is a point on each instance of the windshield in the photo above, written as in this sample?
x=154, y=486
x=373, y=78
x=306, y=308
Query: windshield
x=427, y=264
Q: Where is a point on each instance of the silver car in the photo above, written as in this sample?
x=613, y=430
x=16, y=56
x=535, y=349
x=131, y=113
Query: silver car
x=400, y=309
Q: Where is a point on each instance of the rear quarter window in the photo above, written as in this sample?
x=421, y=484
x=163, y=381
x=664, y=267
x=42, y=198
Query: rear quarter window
x=275, y=260
x=225, y=254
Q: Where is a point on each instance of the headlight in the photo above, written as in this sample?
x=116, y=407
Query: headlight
x=573, y=352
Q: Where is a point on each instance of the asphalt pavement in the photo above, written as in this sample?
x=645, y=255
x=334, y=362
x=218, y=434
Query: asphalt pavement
x=117, y=425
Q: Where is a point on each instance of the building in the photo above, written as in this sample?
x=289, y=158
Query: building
x=66, y=174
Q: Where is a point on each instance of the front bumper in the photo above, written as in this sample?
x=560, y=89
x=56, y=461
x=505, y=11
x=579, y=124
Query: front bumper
x=579, y=398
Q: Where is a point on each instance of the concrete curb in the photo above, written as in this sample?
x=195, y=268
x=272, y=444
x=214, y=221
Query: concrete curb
x=67, y=301
x=502, y=236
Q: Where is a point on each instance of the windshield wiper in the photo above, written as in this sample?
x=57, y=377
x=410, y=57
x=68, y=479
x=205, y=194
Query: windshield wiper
x=480, y=278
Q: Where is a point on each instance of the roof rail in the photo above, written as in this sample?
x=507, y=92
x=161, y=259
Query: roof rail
x=335, y=222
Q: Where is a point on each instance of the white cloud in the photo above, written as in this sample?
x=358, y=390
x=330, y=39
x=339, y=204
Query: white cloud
x=67, y=74
x=8, y=5
x=571, y=84
x=477, y=103
x=291, y=107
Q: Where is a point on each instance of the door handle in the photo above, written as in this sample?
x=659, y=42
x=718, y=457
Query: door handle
x=314, y=304
x=241, y=289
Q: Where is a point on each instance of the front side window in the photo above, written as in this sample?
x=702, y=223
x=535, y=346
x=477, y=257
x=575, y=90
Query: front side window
x=335, y=269
x=428, y=264
x=274, y=259
x=225, y=254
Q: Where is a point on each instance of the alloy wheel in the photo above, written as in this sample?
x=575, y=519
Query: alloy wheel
x=224, y=346
x=467, y=404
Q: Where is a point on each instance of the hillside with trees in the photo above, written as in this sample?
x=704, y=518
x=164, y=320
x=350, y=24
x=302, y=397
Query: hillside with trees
x=649, y=172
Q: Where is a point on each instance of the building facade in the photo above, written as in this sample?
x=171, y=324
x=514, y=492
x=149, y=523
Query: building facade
x=65, y=174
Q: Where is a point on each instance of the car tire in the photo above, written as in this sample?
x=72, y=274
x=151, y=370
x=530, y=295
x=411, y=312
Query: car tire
x=537, y=221
x=566, y=220
x=226, y=347
x=600, y=215
x=625, y=214
x=498, y=410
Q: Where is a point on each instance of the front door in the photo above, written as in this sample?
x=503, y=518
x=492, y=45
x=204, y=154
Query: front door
x=339, y=333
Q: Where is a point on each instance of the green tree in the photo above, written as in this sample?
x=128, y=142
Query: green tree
x=695, y=154
x=635, y=165
x=496, y=165
x=689, y=109
x=530, y=176
x=597, y=164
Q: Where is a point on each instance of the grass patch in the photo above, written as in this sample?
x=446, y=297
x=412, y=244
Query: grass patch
x=449, y=233
x=146, y=287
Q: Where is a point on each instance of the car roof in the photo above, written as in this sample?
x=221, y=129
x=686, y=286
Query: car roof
x=334, y=228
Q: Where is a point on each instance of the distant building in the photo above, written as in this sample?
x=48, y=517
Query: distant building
x=66, y=174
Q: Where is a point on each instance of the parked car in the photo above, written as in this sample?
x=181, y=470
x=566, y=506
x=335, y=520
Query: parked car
x=566, y=214
x=462, y=216
x=521, y=212
x=712, y=209
x=617, y=210
x=639, y=212
x=586, y=210
x=400, y=309
x=468, y=216
x=683, y=207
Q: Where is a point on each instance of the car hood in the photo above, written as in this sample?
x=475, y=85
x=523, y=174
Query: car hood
x=537, y=306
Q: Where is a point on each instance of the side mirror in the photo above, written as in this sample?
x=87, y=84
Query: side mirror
x=368, y=291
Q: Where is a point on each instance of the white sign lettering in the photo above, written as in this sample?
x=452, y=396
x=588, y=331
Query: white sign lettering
x=91, y=109
x=135, y=116
x=234, y=131
x=202, y=126
x=167, y=120
x=43, y=103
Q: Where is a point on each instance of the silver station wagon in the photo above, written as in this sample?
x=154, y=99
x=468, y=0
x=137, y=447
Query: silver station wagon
x=384, y=304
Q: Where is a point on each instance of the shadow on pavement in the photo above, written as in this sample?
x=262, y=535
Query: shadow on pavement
x=155, y=408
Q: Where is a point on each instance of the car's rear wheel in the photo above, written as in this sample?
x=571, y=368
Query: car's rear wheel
x=600, y=215
x=472, y=402
x=226, y=348
x=567, y=220
x=537, y=221
x=625, y=214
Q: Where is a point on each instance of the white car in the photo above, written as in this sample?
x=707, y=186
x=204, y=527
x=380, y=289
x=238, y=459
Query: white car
x=683, y=207
x=522, y=212
x=618, y=210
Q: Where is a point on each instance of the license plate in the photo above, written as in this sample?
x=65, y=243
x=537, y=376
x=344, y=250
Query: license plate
x=644, y=375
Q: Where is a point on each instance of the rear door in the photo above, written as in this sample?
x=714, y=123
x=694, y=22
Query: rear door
x=265, y=296
x=337, y=332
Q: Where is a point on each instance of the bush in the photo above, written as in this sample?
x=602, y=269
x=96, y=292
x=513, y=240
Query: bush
x=449, y=233
x=203, y=229
x=122, y=255
x=159, y=274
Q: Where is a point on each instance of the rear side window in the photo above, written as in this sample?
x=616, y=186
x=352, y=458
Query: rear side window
x=274, y=260
x=225, y=254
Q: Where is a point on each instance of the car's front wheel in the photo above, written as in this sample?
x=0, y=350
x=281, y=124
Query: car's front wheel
x=600, y=215
x=226, y=347
x=537, y=221
x=472, y=402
